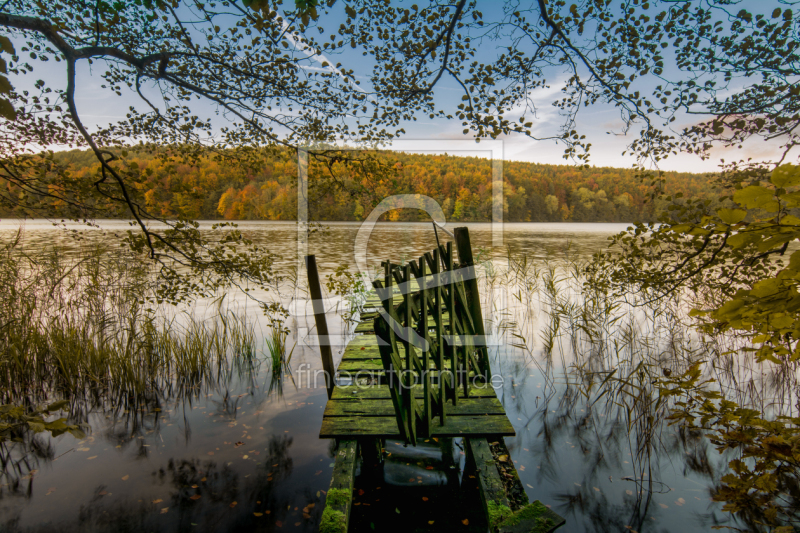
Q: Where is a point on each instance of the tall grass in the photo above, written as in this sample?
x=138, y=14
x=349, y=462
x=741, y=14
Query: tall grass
x=90, y=328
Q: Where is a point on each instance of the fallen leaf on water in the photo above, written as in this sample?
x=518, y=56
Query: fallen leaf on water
x=396, y=510
x=502, y=458
x=245, y=456
x=465, y=521
x=194, y=486
x=424, y=498
x=577, y=484
x=240, y=443
x=296, y=524
x=629, y=492
x=360, y=492
x=233, y=504
x=202, y=480
x=529, y=485
x=195, y=497
x=317, y=494
x=164, y=510
x=311, y=505
x=210, y=453
x=428, y=468
x=595, y=488
x=680, y=501
x=664, y=506
x=258, y=514
x=102, y=493
x=157, y=501
x=125, y=477
x=318, y=472
x=278, y=523
x=92, y=457
x=430, y=522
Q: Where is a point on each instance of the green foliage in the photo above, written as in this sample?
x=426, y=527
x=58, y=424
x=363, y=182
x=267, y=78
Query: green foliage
x=351, y=287
x=763, y=484
x=14, y=418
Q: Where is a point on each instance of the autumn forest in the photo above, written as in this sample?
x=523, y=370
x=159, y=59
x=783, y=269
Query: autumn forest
x=208, y=189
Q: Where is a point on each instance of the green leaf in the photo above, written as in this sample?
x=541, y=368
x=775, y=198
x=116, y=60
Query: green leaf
x=732, y=216
x=7, y=110
x=36, y=425
x=56, y=406
x=786, y=176
x=6, y=45
x=755, y=196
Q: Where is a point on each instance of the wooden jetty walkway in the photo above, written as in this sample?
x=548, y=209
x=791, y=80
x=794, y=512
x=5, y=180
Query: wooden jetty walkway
x=418, y=368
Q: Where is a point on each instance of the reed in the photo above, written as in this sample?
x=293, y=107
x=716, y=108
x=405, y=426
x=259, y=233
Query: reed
x=91, y=328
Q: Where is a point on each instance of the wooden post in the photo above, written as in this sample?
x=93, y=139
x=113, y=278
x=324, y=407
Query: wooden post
x=473, y=296
x=315, y=292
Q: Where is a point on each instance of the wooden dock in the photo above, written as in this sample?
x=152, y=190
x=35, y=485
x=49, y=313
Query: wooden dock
x=418, y=367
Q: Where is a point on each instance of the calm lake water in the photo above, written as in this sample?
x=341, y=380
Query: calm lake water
x=235, y=458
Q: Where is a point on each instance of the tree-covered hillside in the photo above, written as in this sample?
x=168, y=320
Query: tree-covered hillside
x=208, y=189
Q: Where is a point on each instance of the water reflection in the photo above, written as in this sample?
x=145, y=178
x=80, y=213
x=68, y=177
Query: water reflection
x=239, y=435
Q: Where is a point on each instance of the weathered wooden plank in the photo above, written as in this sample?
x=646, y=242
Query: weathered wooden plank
x=375, y=366
x=339, y=498
x=526, y=519
x=384, y=407
x=379, y=392
x=365, y=326
x=386, y=426
x=489, y=480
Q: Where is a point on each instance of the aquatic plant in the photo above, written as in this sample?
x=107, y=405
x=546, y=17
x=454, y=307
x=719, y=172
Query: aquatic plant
x=89, y=329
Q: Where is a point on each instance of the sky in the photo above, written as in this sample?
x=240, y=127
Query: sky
x=600, y=123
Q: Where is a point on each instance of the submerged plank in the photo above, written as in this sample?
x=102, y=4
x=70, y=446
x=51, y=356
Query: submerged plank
x=386, y=426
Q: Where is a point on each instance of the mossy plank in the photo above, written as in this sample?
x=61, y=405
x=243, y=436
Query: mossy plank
x=366, y=324
x=533, y=518
x=365, y=407
x=386, y=426
x=340, y=495
x=375, y=365
x=380, y=392
x=491, y=485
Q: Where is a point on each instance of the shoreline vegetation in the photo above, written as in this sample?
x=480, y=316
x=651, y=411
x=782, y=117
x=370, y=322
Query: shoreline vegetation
x=209, y=189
